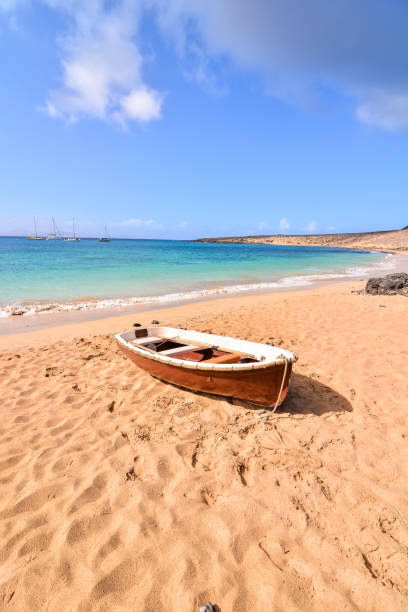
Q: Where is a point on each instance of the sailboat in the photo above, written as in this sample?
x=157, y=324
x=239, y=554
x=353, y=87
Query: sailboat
x=36, y=236
x=73, y=238
x=55, y=234
x=105, y=238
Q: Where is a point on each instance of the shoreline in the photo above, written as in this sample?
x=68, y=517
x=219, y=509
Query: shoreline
x=76, y=314
x=25, y=307
x=77, y=324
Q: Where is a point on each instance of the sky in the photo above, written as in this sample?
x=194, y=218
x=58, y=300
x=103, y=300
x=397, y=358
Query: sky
x=184, y=119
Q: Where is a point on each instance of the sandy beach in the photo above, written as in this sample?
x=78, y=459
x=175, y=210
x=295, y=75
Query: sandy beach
x=216, y=192
x=120, y=492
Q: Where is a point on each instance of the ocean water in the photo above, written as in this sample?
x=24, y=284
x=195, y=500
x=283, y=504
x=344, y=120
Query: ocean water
x=45, y=275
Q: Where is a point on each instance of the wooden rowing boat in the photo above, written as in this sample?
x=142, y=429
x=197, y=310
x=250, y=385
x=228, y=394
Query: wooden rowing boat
x=220, y=365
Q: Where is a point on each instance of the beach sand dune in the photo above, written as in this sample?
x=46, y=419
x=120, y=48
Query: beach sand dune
x=120, y=492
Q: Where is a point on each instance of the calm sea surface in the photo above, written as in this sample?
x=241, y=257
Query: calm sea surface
x=128, y=271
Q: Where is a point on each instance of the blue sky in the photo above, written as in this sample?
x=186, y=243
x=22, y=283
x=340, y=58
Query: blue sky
x=174, y=119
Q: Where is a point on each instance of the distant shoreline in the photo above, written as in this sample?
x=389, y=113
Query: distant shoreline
x=388, y=241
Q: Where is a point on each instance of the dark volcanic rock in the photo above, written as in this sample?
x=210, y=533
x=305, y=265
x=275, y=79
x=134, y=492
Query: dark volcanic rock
x=388, y=285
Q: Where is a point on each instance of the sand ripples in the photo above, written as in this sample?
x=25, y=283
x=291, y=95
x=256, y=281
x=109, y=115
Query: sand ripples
x=119, y=492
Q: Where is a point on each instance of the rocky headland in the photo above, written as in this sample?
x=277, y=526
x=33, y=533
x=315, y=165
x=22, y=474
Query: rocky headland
x=392, y=241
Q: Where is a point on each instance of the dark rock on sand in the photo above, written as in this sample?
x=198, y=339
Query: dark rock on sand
x=392, y=284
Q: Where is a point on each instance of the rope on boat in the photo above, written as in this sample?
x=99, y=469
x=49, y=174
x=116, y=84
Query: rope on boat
x=283, y=382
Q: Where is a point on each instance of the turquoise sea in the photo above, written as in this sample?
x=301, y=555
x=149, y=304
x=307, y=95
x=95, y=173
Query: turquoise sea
x=96, y=274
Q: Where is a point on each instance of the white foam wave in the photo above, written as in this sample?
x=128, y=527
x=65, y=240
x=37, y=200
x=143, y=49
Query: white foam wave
x=285, y=282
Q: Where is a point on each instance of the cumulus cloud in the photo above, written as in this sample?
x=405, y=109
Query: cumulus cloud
x=102, y=64
x=283, y=224
x=262, y=225
x=142, y=104
x=305, y=52
x=183, y=224
x=311, y=227
x=388, y=111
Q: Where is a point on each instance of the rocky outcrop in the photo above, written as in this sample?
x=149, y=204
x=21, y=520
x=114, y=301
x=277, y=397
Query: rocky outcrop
x=392, y=284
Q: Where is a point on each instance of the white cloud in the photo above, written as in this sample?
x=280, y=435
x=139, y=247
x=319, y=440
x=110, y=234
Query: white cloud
x=305, y=48
x=386, y=110
x=102, y=64
x=331, y=228
x=142, y=104
x=311, y=227
x=262, y=225
x=183, y=224
x=283, y=224
x=304, y=51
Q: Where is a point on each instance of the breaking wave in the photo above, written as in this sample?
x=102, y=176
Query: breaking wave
x=285, y=282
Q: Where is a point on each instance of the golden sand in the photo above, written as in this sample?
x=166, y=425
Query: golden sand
x=120, y=492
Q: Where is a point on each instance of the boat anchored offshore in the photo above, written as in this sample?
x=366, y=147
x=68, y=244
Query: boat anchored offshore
x=105, y=238
x=72, y=238
x=36, y=236
x=55, y=234
x=258, y=373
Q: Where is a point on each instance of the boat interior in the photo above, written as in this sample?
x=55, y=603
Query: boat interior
x=191, y=351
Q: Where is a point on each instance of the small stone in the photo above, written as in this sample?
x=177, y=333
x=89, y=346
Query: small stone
x=154, y=322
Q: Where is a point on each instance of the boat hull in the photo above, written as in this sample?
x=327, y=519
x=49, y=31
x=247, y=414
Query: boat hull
x=258, y=386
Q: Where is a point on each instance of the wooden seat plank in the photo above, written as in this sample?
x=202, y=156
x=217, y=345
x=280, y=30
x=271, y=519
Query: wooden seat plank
x=180, y=349
x=230, y=358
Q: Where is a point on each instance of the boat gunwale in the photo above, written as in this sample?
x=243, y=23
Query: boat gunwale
x=283, y=357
